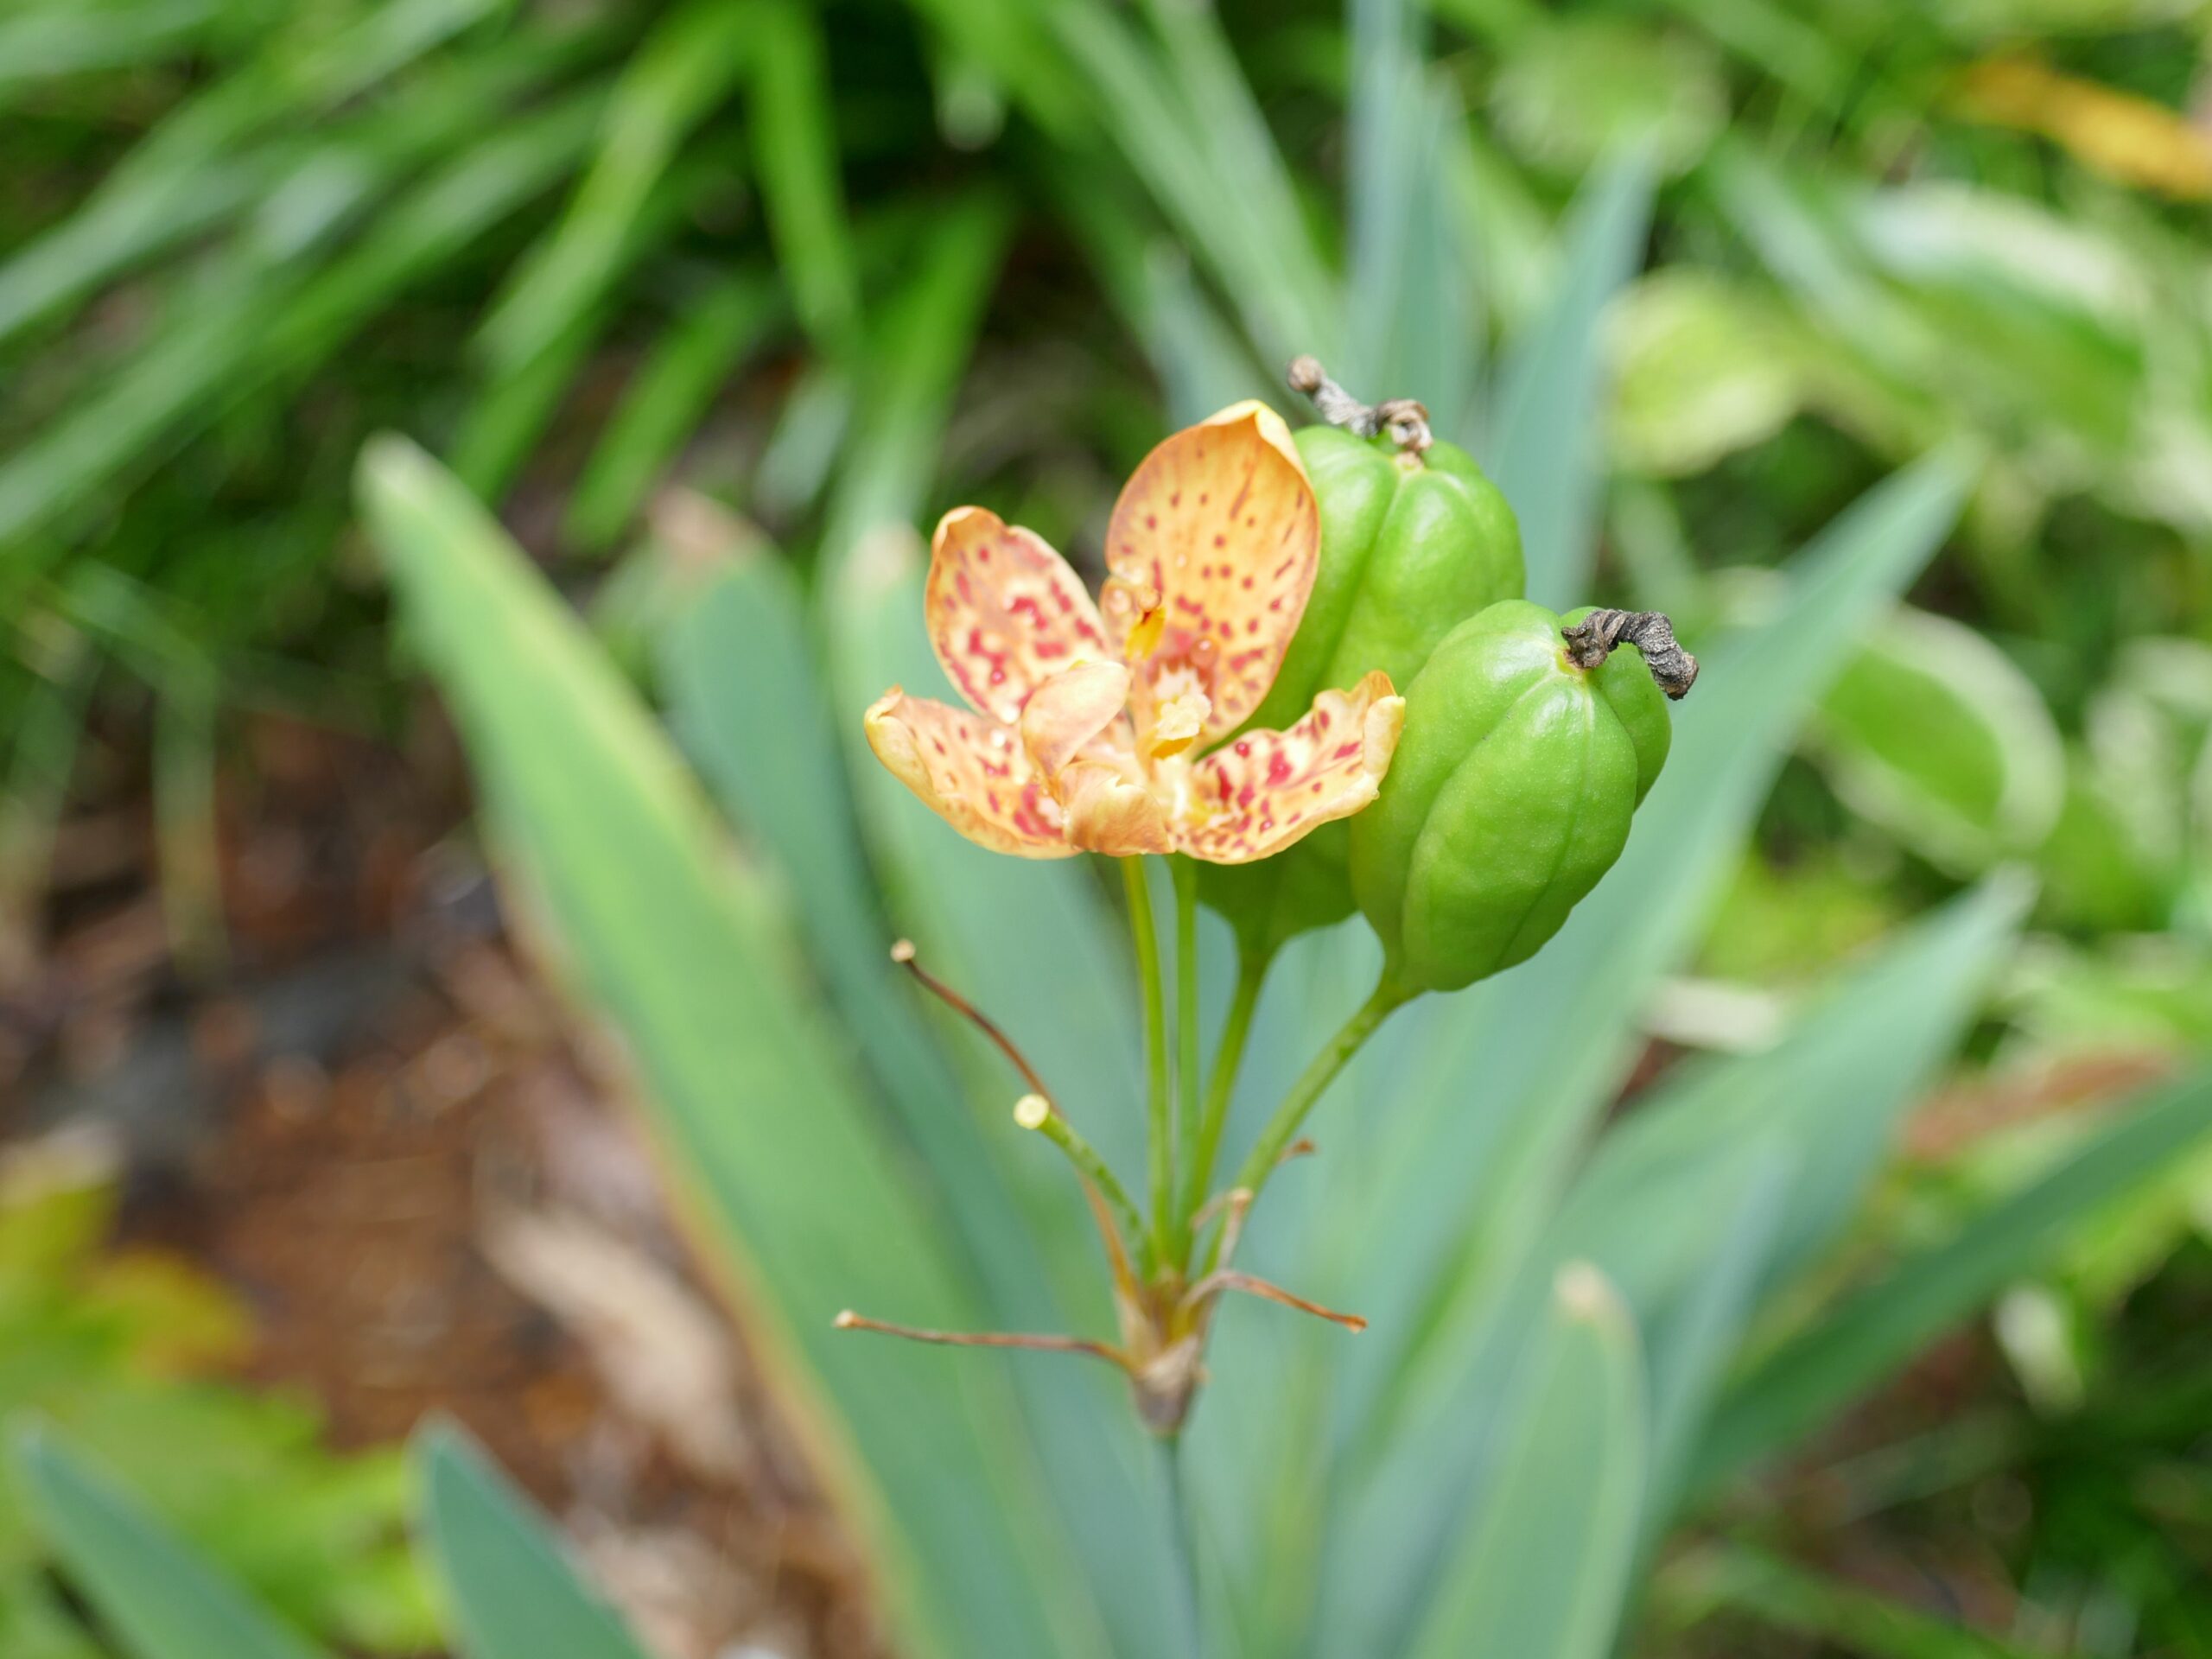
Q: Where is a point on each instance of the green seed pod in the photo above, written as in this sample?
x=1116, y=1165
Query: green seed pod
x=1512, y=787
x=1411, y=546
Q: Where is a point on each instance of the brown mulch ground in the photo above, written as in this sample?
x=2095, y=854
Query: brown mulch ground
x=371, y=1122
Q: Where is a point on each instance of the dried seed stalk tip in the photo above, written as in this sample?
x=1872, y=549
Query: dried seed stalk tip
x=1403, y=420
x=1591, y=640
x=849, y=1320
x=903, y=954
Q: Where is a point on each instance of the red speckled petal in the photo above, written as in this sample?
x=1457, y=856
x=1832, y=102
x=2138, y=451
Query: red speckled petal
x=1068, y=711
x=1004, y=611
x=1219, y=531
x=1110, y=812
x=1258, y=795
x=971, y=771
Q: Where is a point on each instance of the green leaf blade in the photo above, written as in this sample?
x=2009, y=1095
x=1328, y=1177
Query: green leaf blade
x=514, y=1595
x=1543, y=443
x=1819, y=1370
x=161, y=1600
x=756, y=1113
x=1545, y=1563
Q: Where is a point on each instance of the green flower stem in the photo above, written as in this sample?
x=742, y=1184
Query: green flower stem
x=1227, y=1061
x=1311, y=1085
x=1186, y=1044
x=1186, y=1543
x=1035, y=1112
x=1160, y=1151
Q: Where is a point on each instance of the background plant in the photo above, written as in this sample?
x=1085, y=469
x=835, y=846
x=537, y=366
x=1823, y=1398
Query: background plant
x=1858, y=256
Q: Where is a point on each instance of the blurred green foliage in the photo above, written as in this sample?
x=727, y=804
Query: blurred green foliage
x=117, y=1351
x=1689, y=275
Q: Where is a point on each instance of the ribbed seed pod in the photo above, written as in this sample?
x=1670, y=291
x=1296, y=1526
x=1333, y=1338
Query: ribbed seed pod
x=1510, y=795
x=1411, y=546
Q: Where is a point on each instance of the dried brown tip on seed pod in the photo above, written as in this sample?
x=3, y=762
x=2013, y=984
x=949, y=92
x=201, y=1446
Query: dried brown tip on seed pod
x=845, y=1320
x=903, y=951
x=1403, y=420
x=1590, y=641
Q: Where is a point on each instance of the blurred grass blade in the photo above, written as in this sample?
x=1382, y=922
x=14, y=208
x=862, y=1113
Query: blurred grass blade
x=186, y=831
x=1211, y=168
x=1848, y=1350
x=1198, y=358
x=507, y=419
x=795, y=150
x=1382, y=142
x=1543, y=434
x=1836, y=1086
x=1671, y=1205
x=516, y=406
x=1722, y=1578
x=446, y=213
x=1202, y=361
x=1249, y=173
x=1410, y=291
x=262, y=330
x=919, y=348
x=309, y=73
x=113, y=230
x=1507, y=231
x=161, y=1601
x=1696, y=1331
x=749, y=1099
x=1545, y=1564
x=1782, y=42
x=1012, y=39
x=48, y=709
x=48, y=44
x=376, y=43
x=514, y=1591
x=683, y=70
x=807, y=443
x=673, y=389
x=139, y=211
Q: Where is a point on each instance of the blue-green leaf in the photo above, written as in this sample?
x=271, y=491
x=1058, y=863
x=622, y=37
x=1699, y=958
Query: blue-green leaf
x=1543, y=447
x=514, y=1593
x=1545, y=1564
x=749, y=1097
x=1850, y=1349
x=161, y=1600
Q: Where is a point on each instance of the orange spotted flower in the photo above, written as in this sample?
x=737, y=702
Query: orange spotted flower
x=1087, y=729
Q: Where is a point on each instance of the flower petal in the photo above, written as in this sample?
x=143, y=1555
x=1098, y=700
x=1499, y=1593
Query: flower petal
x=1219, y=528
x=1258, y=795
x=1110, y=812
x=971, y=771
x=1005, y=611
x=1071, y=709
